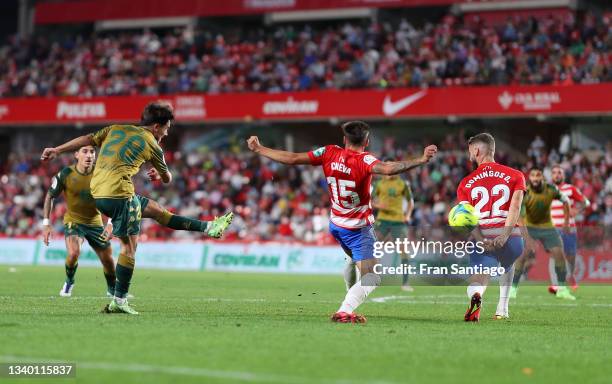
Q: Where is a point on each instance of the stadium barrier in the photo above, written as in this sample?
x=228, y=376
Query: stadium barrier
x=239, y=257
x=492, y=101
x=592, y=265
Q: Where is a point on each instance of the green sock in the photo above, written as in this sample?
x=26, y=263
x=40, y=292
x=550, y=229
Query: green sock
x=187, y=224
x=405, y=275
x=124, y=276
x=518, y=272
x=110, y=281
x=561, y=272
x=70, y=272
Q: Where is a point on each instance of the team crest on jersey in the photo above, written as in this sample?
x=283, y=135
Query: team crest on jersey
x=318, y=152
x=369, y=159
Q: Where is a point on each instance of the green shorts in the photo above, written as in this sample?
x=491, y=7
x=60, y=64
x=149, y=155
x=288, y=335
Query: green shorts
x=391, y=230
x=548, y=236
x=125, y=213
x=91, y=233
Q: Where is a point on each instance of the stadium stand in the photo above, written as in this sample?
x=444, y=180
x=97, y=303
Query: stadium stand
x=295, y=206
x=555, y=49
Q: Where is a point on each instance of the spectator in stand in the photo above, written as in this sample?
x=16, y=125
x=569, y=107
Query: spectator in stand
x=548, y=50
x=273, y=202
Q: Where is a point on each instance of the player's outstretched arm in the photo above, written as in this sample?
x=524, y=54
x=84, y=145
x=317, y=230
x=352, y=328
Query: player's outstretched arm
x=46, y=225
x=285, y=157
x=72, y=145
x=395, y=167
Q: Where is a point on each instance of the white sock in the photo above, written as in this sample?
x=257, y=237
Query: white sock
x=505, y=283
x=475, y=287
x=120, y=300
x=551, y=271
x=359, y=292
x=350, y=273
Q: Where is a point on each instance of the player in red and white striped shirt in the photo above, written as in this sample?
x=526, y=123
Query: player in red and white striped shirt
x=570, y=239
x=349, y=172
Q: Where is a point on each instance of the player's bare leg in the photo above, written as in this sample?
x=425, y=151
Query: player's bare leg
x=214, y=228
x=108, y=265
x=358, y=293
x=562, y=291
x=73, y=251
x=521, y=266
x=475, y=291
x=124, y=272
x=571, y=273
x=405, y=260
x=570, y=279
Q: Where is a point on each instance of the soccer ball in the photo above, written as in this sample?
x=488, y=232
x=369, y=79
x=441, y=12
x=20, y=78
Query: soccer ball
x=463, y=215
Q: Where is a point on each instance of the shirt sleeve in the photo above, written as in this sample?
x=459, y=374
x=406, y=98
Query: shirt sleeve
x=462, y=195
x=99, y=136
x=577, y=195
x=519, y=184
x=58, y=183
x=369, y=161
x=158, y=160
x=317, y=156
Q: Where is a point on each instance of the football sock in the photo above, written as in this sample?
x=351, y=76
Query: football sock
x=561, y=272
x=181, y=223
x=475, y=287
x=571, y=264
x=187, y=224
x=124, y=271
x=405, y=274
x=359, y=292
x=505, y=283
x=552, y=272
x=110, y=281
x=70, y=272
x=518, y=272
x=350, y=273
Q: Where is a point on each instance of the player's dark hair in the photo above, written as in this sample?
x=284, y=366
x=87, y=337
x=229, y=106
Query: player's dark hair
x=356, y=132
x=156, y=113
x=536, y=168
x=485, y=138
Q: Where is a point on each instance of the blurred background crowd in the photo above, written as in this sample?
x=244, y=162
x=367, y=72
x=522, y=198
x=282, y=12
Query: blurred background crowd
x=556, y=49
x=275, y=202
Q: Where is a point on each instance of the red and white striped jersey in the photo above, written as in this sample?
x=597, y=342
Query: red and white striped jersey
x=556, y=208
x=349, y=178
x=490, y=189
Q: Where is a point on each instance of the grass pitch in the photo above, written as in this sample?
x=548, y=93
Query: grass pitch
x=227, y=327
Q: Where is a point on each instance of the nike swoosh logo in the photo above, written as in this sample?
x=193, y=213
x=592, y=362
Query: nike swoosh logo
x=390, y=108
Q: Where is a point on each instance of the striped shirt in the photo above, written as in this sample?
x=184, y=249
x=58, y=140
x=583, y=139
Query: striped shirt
x=556, y=209
x=490, y=189
x=349, y=178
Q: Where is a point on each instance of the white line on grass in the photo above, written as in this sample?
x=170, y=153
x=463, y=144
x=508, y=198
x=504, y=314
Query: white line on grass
x=187, y=371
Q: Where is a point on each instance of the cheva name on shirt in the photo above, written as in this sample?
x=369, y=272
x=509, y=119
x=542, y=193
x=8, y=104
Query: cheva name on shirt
x=340, y=168
x=486, y=174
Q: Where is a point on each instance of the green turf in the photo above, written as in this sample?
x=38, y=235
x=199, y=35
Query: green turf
x=220, y=328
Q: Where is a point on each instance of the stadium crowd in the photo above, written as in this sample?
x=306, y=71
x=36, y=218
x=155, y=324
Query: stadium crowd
x=549, y=50
x=274, y=202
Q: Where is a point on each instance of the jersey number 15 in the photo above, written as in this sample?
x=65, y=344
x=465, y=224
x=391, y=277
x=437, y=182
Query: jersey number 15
x=342, y=195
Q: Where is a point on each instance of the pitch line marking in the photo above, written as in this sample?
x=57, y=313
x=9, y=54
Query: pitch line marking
x=189, y=371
